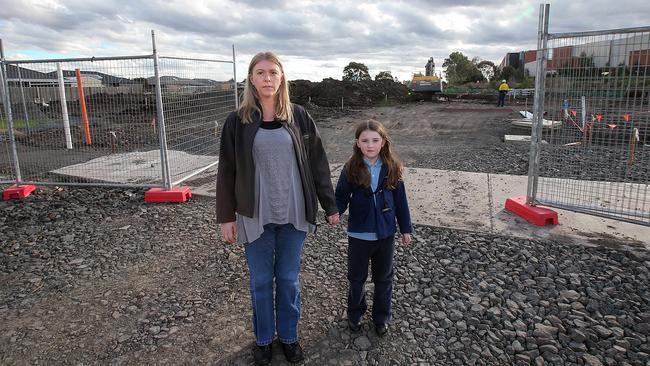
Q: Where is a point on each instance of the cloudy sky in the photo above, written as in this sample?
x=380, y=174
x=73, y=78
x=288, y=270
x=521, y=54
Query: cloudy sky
x=315, y=39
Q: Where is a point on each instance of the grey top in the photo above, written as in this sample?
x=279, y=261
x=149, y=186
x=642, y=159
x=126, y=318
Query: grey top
x=278, y=188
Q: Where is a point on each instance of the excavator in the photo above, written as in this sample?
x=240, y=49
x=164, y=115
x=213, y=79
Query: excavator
x=425, y=86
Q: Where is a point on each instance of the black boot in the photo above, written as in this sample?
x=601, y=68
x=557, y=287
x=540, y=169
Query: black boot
x=355, y=327
x=262, y=354
x=381, y=329
x=293, y=352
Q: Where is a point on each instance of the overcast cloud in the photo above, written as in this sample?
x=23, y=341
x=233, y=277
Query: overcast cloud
x=315, y=39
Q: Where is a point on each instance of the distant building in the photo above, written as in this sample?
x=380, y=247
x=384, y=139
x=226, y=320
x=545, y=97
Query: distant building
x=627, y=51
x=32, y=78
x=523, y=60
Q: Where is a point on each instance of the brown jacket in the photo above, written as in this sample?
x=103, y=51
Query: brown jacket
x=236, y=174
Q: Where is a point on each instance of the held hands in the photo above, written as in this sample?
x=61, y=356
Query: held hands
x=333, y=219
x=407, y=238
x=229, y=232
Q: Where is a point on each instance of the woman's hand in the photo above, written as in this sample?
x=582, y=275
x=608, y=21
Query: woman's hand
x=407, y=239
x=229, y=232
x=333, y=219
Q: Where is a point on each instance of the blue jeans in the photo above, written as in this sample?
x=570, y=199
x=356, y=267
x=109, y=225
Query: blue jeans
x=502, y=98
x=275, y=255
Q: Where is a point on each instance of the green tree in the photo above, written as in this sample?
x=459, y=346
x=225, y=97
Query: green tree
x=459, y=69
x=508, y=72
x=526, y=83
x=356, y=71
x=384, y=75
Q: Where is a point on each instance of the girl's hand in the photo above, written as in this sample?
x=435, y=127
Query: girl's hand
x=333, y=219
x=229, y=232
x=406, y=239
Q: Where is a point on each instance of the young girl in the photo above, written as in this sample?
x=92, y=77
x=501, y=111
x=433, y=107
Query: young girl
x=371, y=185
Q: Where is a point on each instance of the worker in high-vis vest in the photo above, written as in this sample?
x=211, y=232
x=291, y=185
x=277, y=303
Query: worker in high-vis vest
x=503, y=90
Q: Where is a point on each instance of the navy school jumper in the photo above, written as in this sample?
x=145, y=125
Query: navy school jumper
x=376, y=215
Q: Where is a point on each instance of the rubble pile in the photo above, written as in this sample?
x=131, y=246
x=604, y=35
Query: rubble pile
x=328, y=93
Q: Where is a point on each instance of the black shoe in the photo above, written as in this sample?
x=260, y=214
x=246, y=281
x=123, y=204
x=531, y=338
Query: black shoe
x=355, y=327
x=381, y=330
x=262, y=354
x=293, y=352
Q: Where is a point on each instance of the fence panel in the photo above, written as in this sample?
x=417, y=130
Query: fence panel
x=197, y=97
x=103, y=138
x=598, y=160
x=101, y=120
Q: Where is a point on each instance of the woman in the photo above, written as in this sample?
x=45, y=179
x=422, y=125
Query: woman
x=272, y=169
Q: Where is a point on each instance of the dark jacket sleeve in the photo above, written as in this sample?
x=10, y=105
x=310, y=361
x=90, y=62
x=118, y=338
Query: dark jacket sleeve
x=320, y=168
x=342, y=192
x=226, y=201
x=402, y=209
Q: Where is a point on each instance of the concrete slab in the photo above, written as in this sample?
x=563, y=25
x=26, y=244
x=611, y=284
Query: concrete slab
x=516, y=138
x=475, y=201
x=139, y=167
x=460, y=200
x=449, y=198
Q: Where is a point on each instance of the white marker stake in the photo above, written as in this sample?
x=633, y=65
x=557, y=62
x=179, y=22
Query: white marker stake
x=64, y=108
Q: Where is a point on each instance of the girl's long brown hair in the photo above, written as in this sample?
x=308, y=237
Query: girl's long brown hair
x=356, y=170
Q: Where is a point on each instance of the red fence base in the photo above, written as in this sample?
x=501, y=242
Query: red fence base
x=180, y=194
x=18, y=192
x=535, y=215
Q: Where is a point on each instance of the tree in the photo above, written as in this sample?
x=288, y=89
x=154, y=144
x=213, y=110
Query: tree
x=459, y=69
x=356, y=71
x=384, y=75
x=487, y=68
x=526, y=83
x=508, y=72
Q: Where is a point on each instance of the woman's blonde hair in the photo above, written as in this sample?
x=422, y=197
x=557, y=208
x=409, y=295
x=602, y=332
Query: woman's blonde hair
x=249, y=105
x=356, y=170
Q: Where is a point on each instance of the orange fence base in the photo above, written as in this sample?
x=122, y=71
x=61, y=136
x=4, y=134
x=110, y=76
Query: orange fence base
x=535, y=215
x=17, y=192
x=180, y=194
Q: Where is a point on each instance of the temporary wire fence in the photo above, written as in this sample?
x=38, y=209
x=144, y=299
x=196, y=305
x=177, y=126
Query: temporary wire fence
x=137, y=121
x=596, y=87
x=193, y=112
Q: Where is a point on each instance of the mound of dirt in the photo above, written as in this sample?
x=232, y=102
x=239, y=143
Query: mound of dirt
x=329, y=92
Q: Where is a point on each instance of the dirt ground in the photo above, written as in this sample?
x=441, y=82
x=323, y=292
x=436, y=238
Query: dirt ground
x=419, y=130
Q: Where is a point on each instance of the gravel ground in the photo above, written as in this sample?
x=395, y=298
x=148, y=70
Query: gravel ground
x=96, y=276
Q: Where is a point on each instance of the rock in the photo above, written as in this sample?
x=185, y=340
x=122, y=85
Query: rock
x=591, y=360
x=544, y=331
x=602, y=331
x=569, y=295
x=517, y=347
x=362, y=343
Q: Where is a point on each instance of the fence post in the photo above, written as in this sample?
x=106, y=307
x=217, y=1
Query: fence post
x=160, y=116
x=6, y=101
x=22, y=96
x=538, y=105
x=234, y=76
